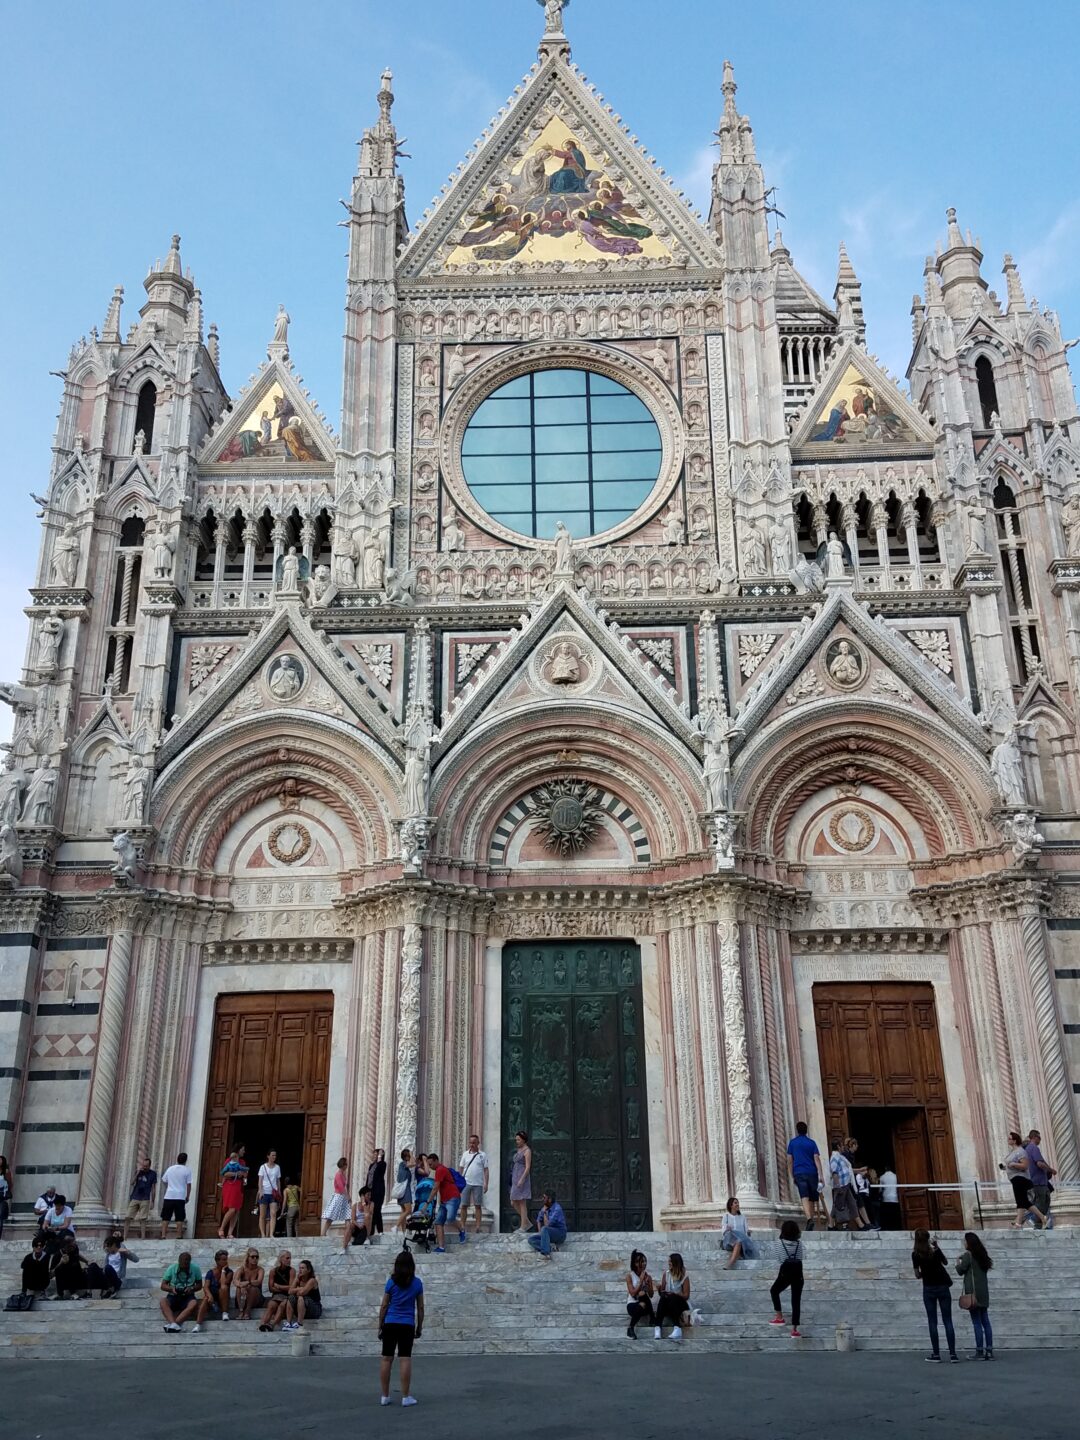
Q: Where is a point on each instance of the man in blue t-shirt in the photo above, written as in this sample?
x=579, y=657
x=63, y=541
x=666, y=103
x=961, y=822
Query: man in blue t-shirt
x=805, y=1170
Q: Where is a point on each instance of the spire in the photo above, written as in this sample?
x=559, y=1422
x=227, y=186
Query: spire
x=1014, y=286
x=213, y=345
x=848, y=297
x=955, y=238
x=193, y=328
x=379, y=147
x=780, y=253
x=168, y=290
x=918, y=318
x=110, y=332
x=553, y=42
x=734, y=133
x=959, y=265
x=933, y=283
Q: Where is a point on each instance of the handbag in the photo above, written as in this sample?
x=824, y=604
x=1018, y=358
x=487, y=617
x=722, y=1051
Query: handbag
x=399, y=1189
x=967, y=1302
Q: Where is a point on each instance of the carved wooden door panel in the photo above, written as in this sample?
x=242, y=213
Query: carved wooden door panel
x=573, y=1077
x=270, y=1055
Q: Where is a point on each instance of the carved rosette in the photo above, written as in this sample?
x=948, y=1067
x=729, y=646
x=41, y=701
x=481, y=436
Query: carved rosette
x=567, y=815
x=408, y=1067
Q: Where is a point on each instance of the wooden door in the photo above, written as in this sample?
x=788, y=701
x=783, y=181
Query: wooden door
x=912, y=1155
x=878, y=1046
x=573, y=1077
x=270, y=1055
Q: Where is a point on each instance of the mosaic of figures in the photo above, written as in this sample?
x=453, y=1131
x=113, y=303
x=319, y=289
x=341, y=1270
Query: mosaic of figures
x=557, y=204
x=858, y=413
x=272, y=431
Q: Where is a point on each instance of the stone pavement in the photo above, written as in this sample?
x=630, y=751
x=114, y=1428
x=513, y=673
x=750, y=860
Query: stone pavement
x=657, y=1393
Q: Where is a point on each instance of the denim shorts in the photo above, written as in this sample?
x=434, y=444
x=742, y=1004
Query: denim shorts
x=448, y=1211
x=807, y=1186
x=267, y=1200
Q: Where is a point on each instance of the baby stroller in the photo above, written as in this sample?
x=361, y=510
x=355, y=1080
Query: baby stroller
x=420, y=1226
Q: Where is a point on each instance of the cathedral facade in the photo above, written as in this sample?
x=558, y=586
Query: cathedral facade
x=643, y=723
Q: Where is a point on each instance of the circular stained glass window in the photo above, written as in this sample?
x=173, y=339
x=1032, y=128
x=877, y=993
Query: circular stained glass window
x=567, y=445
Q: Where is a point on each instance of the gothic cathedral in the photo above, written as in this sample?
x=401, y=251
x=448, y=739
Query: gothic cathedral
x=644, y=722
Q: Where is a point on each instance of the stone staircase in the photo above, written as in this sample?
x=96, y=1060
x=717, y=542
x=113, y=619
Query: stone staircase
x=494, y=1295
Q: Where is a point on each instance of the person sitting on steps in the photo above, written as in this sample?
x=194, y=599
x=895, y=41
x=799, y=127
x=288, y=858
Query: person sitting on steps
x=358, y=1225
x=305, y=1301
x=639, y=1292
x=180, y=1298
x=35, y=1269
x=282, y=1279
x=735, y=1236
x=674, y=1301
x=550, y=1226
x=217, y=1283
x=249, y=1283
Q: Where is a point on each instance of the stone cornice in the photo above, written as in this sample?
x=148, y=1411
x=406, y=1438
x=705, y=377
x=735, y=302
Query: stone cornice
x=1002, y=895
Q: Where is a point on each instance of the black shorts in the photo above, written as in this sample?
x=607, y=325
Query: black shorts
x=178, y=1303
x=173, y=1210
x=312, y=1309
x=399, y=1338
x=1021, y=1187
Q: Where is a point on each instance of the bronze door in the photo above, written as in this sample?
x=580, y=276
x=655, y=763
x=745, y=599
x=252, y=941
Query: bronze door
x=270, y=1057
x=573, y=1077
x=880, y=1056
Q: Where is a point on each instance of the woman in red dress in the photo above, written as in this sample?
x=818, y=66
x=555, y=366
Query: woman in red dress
x=233, y=1177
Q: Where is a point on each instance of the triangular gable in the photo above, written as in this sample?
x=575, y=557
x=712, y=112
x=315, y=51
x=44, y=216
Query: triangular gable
x=999, y=454
x=103, y=722
x=273, y=424
x=502, y=672
x=520, y=203
x=1040, y=695
x=983, y=328
x=149, y=356
x=857, y=410
x=910, y=668
x=288, y=622
x=137, y=475
x=75, y=475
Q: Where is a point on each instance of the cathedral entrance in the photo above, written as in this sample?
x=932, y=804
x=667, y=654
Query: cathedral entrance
x=573, y=1077
x=269, y=1073
x=883, y=1082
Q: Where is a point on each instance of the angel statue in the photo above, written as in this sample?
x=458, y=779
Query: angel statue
x=553, y=22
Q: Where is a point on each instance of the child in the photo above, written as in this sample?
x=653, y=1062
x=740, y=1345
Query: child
x=292, y=1206
x=789, y=1277
x=401, y=1320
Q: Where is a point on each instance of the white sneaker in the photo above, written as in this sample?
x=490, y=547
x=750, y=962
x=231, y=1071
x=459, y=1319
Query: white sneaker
x=172, y=1329
x=195, y=1329
x=676, y=1334
x=408, y=1400
x=656, y=1333
x=224, y=1315
x=384, y=1399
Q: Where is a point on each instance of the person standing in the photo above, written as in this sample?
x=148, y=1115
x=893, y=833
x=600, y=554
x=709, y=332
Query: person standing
x=376, y=1183
x=1040, y=1173
x=474, y=1167
x=521, y=1181
x=176, y=1183
x=975, y=1265
x=448, y=1197
x=337, y=1209
x=844, y=1208
x=233, y=1175
x=789, y=1277
x=735, y=1235
x=890, y=1199
x=1015, y=1166
x=805, y=1169
x=639, y=1292
x=401, y=1321
x=141, y=1198
x=674, y=1301
x=269, y=1194
x=403, y=1188
x=5, y=1193
x=550, y=1225
x=931, y=1268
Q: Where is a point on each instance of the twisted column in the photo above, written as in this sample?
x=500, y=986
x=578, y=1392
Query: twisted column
x=106, y=1064
x=408, y=1067
x=1048, y=1026
x=740, y=1090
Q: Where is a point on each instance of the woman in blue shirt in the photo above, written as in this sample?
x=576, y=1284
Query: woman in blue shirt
x=401, y=1320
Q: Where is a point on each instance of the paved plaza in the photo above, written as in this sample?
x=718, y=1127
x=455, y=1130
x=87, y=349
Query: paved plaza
x=651, y=1392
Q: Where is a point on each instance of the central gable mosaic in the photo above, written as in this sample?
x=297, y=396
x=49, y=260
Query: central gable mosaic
x=559, y=203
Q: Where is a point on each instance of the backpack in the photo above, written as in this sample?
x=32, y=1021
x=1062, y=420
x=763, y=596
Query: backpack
x=457, y=1177
x=20, y=1302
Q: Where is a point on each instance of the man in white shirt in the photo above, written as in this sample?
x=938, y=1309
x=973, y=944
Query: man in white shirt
x=176, y=1191
x=43, y=1203
x=474, y=1167
x=890, y=1200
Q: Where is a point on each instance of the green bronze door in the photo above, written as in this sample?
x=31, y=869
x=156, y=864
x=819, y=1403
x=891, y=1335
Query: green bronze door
x=573, y=1077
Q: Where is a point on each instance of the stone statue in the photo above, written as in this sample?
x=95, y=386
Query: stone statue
x=781, y=546
x=399, y=587
x=806, y=576
x=65, y=557
x=753, y=550
x=553, y=22
x=453, y=535
x=290, y=572
x=1070, y=517
x=345, y=563
x=11, y=861
x=845, y=666
x=136, y=784
x=455, y=366
x=564, y=550
x=126, y=856
x=41, y=794
x=287, y=679
x=674, y=529
x=417, y=772
x=834, y=551
x=1007, y=769
x=565, y=665
x=976, y=528
x=659, y=359
x=281, y=326
x=374, y=561
x=162, y=553
x=48, y=646
x=12, y=785
x=717, y=773
x=320, y=581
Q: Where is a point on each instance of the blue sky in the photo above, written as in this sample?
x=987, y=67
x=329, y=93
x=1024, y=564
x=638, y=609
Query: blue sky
x=235, y=124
